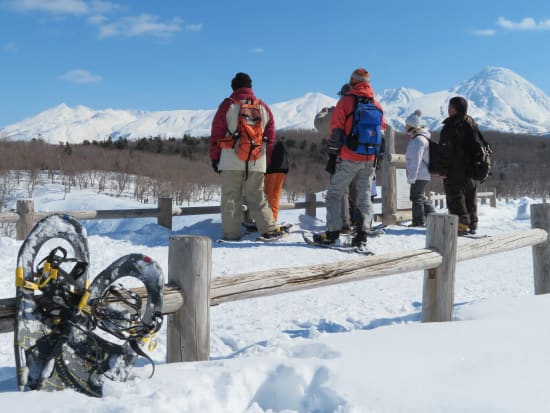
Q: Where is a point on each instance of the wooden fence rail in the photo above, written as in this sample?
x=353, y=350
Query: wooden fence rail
x=25, y=216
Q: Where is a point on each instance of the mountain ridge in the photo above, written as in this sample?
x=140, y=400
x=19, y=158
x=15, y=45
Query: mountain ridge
x=499, y=99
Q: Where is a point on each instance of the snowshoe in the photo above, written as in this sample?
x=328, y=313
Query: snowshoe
x=59, y=313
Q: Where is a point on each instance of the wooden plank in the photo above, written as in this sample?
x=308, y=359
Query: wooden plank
x=311, y=205
x=190, y=266
x=213, y=209
x=105, y=213
x=9, y=217
x=389, y=204
x=500, y=243
x=25, y=210
x=164, y=217
x=397, y=160
x=283, y=280
x=540, y=218
x=438, y=288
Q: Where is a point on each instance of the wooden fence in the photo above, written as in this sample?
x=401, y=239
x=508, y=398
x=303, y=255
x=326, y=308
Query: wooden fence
x=25, y=216
x=191, y=292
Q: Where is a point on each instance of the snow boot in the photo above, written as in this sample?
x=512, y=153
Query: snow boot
x=328, y=237
x=463, y=229
x=359, y=240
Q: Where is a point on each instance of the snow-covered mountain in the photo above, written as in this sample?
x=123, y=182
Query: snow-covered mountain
x=499, y=99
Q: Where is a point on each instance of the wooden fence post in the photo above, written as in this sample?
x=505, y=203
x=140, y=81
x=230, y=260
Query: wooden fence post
x=25, y=209
x=494, y=198
x=189, y=266
x=389, y=191
x=438, y=289
x=165, y=212
x=311, y=205
x=540, y=218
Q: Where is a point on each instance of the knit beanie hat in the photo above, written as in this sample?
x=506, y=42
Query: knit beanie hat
x=359, y=75
x=415, y=119
x=460, y=104
x=344, y=89
x=241, y=80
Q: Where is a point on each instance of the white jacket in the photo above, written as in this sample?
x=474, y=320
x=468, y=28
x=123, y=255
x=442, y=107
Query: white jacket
x=418, y=157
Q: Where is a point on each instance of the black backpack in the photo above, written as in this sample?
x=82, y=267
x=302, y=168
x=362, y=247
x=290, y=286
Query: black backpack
x=477, y=156
x=435, y=156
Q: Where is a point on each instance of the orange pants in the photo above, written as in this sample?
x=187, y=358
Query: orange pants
x=273, y=187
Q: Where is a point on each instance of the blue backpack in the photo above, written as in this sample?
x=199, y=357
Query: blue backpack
x=366, y=132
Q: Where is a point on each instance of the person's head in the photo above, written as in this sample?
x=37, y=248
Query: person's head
x=241, y=80
x=358, y=76
x=344, y=89
x=414, y=122
x=458, y=106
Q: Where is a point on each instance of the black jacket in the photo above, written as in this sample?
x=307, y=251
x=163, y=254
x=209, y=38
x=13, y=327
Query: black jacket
x=279, y=159
x=455, y=139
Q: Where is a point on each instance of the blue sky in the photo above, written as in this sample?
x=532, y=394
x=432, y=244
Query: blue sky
x=182, y=54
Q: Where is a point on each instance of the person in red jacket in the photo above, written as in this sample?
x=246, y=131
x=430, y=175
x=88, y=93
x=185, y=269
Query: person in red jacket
x=347, y=165
x=242, y=177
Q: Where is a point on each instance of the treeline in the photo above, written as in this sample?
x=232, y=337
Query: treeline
x=181, y=167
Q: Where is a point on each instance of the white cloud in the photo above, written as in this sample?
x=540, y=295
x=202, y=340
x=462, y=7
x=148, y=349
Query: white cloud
x=52, y=6
x=97, y=19
x=80, y=76
x=9, y=47
x=485, y=32
x=100, y=6
x=258, y=50
x=142, y=25
x=193, y=27
x=528, y=23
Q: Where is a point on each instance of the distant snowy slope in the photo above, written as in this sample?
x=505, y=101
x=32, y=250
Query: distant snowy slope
x=299, y=113
x=62, y=123
x=499, y=100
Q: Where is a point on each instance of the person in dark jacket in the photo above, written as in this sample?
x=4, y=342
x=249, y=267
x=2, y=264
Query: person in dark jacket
x=275, y=176
x=460, y=190
x=242, y=176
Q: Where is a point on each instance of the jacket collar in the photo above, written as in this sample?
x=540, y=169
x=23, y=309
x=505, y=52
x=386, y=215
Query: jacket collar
x=243, y=93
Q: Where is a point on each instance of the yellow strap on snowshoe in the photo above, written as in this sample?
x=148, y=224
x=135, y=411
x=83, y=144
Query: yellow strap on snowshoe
x=152, y=340
x=52, y=276
x=82, y=305
x=21, y=282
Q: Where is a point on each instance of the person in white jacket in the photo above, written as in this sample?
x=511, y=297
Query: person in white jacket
x=418, y=176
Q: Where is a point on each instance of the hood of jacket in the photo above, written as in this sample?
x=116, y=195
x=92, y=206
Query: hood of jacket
x=362, y=89
x=242, y=94
x=423, y=132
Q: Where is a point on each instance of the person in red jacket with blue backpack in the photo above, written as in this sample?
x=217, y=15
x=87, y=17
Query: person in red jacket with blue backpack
x=356, y=137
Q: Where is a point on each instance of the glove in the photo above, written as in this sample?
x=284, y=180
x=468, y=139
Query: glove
x=215, y=166
x=331, y=164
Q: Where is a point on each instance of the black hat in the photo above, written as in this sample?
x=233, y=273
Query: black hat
x=241, y=80
x=460, y=104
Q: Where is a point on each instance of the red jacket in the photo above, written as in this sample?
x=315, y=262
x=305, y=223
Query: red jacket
x=342, y=122
x=219, y=124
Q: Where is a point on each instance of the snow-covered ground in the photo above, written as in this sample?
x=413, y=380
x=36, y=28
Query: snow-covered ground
x=356, y=347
